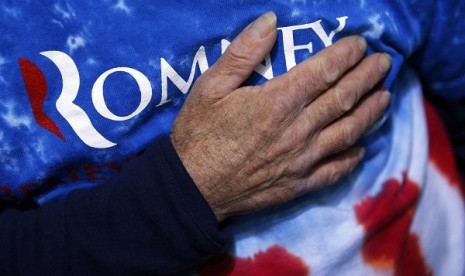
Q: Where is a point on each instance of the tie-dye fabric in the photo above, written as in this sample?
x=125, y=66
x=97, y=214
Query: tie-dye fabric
x=87, y=84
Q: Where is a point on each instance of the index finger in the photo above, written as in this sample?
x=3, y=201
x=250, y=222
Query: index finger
x=306, y=81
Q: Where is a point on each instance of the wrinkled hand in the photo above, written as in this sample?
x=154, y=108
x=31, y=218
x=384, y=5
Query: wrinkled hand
x=247, y=148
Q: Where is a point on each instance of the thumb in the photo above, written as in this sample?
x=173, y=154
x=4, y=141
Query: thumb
x=245, y=53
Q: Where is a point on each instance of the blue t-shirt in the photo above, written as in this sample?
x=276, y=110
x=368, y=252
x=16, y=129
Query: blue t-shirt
x=86, y=85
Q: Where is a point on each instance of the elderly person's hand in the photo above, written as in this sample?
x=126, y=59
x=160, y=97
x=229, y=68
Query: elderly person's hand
x=250, y=147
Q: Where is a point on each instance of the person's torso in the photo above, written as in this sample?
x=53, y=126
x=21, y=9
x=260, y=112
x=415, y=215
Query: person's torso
x=85, y=85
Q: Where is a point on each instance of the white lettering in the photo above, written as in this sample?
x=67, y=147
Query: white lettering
x=80, y=121
x=288, y=38
x=76, y=116
x=98, y=97
x=167, y=72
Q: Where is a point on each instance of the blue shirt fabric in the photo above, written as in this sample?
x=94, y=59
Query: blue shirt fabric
x=87, y=85
x=98, y=37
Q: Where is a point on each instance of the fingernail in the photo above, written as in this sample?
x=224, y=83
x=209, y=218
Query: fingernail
x=331, y=71
x=385, y=98
x=384, y=63
x=347, y=97
x=362, y=43
x=263, y=26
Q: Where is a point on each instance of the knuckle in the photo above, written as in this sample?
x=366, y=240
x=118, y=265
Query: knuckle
x=278, y=102
x=314, y=74
x=277, y=109
x=351, y=52
x=290, y=191
x=297, y=167
x=280, y=108
x=345, y=98
x=237, y=56
x=328, y=70
x=296, y=189
x=334, y=174
x=349, y=133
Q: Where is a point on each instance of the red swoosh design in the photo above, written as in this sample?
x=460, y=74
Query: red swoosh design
x=36, y=87
x=276, y=261
x=389, y=244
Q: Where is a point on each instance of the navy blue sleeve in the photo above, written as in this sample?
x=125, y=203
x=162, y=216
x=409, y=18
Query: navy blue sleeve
x=151, y=220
